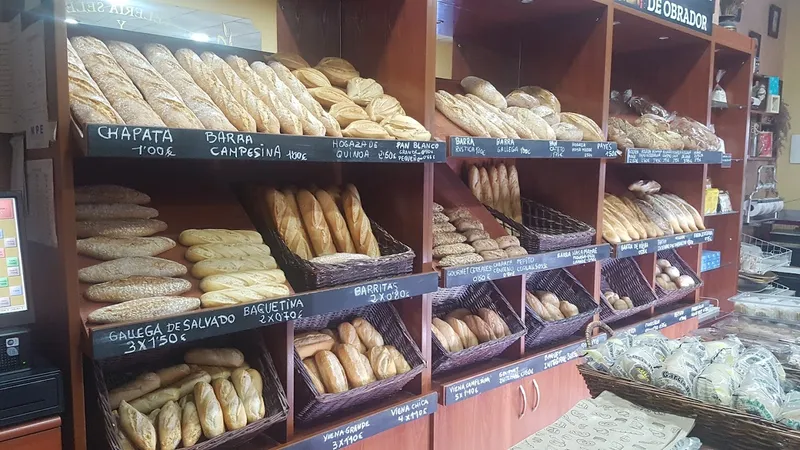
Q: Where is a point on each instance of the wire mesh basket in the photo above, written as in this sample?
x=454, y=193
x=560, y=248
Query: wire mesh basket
x=759, y=256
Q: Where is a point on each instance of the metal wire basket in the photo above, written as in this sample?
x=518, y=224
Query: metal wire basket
x=759, y=256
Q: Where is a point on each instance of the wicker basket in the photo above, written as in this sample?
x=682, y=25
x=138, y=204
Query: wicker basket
x=624, y=277
x=312, y=406
x=665, y=297
x=717, y=426
x=116, y=371
x=473, y=297
x=561, y=283
x=545, y=230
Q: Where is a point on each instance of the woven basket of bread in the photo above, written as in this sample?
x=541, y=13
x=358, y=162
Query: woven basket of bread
x=544, y=229
x=473, y=297
x=311, y=406
x=561, y=283
x=666, y=297
x=113, y=372
x=625, y=278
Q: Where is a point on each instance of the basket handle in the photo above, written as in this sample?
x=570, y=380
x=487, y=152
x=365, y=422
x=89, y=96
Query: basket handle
x=592, y=326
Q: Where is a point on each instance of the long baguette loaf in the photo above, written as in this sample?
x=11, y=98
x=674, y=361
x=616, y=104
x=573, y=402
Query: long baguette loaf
x=86, y=100
x=619, y=217
x=161, y=96
x=684, y=211
x=359, y=226
x=251, y=399
x=195, y=98
x=143, y=308
x=119, y=227
x=235, y=296
x=315, y=224
x=114, y=83
x=265, y=120
x=242, y=279
x=519, y=127
x=336, y=223
x=202, y=252
x=651, y=229
x=474, y=181
x=459, y=114
x=505, y=190
x=486, y=119
x=498, y=118
x=698, y=219
x=135, y=287
x=224, y=99
x=107, y=248
x=620, y=209
x=109, y=193
x=486, y=187
x=609, y=220
x=137, y=427
x=494, y=180
x=609, y=233
x=662, y=222
x=288, y=224
x=192, y=237
x=142, y=385
x=232, y=265
x=113, y=211
x=290, y=194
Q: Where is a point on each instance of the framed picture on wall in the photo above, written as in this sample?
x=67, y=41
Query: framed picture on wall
x=774, y=26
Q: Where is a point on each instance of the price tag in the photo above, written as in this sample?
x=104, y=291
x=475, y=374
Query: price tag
x=470, y=147
x=647, y=246
x=727, y=161
x=651, y=156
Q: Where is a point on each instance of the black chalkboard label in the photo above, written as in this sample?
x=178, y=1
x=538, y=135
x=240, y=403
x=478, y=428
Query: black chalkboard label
x=650, y=156
x=124, y=339
x=727, y=161
x=506, y=268
x=696, y=15
x=363, y=428
x=669, y=319
x=122, y=141
x=647, y=246
x=471, y=147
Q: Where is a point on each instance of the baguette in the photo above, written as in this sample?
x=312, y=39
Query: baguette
x=252, y=401
x=359, y=225
x=209, y=410
x=653, y=230
x=494, y=181
x=113, y=211
x=118, y=269
x=137, y=427
x=659, y=220
x=142, y=385
x=107, y=248
x=291, y=201
x=169, y=375
x=612, y=227
x=698, y=219
x=161, y=96
x=86, y=100
x=506, y=206
x=169, y=426
x=288, y=224
x=143, y=308
x=474, y=182
x=219, y=236
x=315, y=224
x=236, y=114
x=485, y=118
x=114, y=83
x=609, y=232
x=685, y=209
x=195, y=98
x=223, y=357
x=331, y=371
x=155, y=400
x=191, y=430
x=619, y=217
x=486, y=188
x=242, y=279
x=266, y=121
x=185, y=385
x=350, y=359
x=219, y=266
x=258, y=383
x=201, y=252
x=124, y=442
x=233, y=412
x=109, y=193
x=491, y=114
x=119, y=228
x=620, y=210
x=307, y=344
x=213, y=372
x=336, y=223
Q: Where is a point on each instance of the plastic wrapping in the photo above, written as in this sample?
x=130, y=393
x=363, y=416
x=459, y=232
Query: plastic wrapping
x=638, y=364
x=606, y=354
x=716, y=384
x=642, y=105
x=790, y=412
x=696, y=136
x=679, y=372
x=758, y=394
x=689, y=443
x=760, y=357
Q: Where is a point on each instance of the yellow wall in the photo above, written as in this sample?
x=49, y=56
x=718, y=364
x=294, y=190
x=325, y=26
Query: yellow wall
x=444, y=58
x=789, y=174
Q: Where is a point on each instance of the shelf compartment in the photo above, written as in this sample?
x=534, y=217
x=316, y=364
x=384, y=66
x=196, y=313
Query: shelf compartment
x=477, y=147
x=652, y=156
x=654, y=245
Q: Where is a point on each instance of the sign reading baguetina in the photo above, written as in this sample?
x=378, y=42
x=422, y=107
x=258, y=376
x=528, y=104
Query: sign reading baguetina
x=696, y=15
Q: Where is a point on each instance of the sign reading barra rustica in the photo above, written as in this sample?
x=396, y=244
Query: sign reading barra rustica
x=696, y=15
x=176, y=143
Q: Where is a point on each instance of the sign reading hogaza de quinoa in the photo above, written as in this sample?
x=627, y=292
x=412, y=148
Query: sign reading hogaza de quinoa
x=693, y=14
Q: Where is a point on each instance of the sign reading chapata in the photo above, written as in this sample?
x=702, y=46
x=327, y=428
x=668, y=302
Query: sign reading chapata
x=696, y=15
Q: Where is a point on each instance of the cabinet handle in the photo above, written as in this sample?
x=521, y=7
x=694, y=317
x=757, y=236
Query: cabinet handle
x=538, y=396
x=524, y=401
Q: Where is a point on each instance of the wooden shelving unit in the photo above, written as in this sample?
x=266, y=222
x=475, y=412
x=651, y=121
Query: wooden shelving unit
x=579, y=49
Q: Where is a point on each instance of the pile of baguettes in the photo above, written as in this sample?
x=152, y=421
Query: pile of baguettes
x=650, y=214
x=114, y=82
x=324, y=226
x=497, y=186
x=530, y=112
x=215, y=391
x=461, y=329
x=350, y=356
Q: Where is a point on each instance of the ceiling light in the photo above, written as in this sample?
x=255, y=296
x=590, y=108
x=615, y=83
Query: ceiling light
x=199, y=37
x=70, y=21
x=663, y=38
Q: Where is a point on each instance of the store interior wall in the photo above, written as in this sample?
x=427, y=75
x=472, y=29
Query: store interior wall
x=789, y=174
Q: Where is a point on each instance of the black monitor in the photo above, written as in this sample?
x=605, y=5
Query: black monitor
x=16, y=307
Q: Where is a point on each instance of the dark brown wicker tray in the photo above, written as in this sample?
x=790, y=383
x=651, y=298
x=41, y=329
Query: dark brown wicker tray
x=116, y=371
x=561, y=283
x=624, y=277
x=545, y=230
x=718, y=426
x=473, y=297
x=666, y=297
x=311, y=406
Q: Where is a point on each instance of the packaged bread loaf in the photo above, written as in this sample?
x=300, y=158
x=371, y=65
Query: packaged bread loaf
x=331, y=371
x=143, y=308
x=86, y=100
x=119, y=269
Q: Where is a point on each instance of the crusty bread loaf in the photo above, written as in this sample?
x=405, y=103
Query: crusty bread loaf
x=315, y=223
x=467, y=337
x=219, y=236
x=224, y=357
x=233, y=412
x=135, y=287
x=382, y=362
x=481, y=116
x=308, y=344
x=484, y=90
x=169, y=426
x=251, y=398
x=354, y=369
x=155, y=400
x=118, y=269
x=115, y=83
x=141, y=385
x=367, y=334
x=288, y=224
x=242, y=279
x=486, y=188
x=493, y=123
x=108, y=248
x=137, y=427
x=516, y=200
x=459, y=114
x=161, y=96
x=109, y=193
x=232, y=265
x=216, y=90
x=338, y=70
x=400, y=362
x=291, y=60
x=349, y=335
x=331, y=371
x=86, y=100
x=202, y=252
x=336, y=223
x=113, y=211
x=190, y=425
x=143, y=308
x=235, y=296
x=185, y=385
x=209, y=410
x=313, y=373
x=359, y=226
x=119, y=228
x=447, y=336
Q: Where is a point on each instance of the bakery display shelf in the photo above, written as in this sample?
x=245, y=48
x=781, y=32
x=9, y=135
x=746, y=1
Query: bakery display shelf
x=652, y=156
x=477, y=147
x=647, y=246
x=125, y=141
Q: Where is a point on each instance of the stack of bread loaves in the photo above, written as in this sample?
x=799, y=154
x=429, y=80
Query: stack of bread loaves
x=215, y=391
x=548, y=307
x=235, y=266
x=651, y=214
x=461, y=329
x=459, y=238
x=118, y=229
x=350, y=356
x=670, y=278
x=324, y=226
x=497, y=186
x=529, y=112
x=618, y=303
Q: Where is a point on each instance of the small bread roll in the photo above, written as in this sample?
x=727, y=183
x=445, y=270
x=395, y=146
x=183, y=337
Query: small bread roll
x=481, y=329
x=350, y=358
x=440, y=337
x=382, y=362
x=367, y=334
x=454, y=343
x=498, y=325
x=459, y=313
x=349, y=335
x=331, y=371
x=313, y=373
x=468, y=338
x=400, y=362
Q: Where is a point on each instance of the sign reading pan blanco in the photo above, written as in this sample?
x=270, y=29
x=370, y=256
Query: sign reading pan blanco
x=696, y=15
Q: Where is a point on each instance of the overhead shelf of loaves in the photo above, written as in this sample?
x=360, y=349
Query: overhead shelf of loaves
x=337, y=246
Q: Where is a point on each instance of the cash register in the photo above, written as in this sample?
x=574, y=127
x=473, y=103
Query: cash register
x=29, y=387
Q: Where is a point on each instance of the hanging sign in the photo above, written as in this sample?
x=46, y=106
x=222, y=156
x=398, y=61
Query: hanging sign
x=696, y=15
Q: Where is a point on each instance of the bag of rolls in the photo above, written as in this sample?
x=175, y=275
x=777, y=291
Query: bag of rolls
x=347, y=358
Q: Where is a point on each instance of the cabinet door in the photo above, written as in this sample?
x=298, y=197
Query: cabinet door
x=414, y=435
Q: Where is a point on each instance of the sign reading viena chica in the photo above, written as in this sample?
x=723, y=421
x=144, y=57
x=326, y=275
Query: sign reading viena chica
x=696, y=15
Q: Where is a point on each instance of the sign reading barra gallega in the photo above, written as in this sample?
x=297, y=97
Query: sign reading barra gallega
x=696, y=15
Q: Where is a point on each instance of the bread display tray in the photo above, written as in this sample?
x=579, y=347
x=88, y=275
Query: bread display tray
x=544, y=229
x=625, y=278
x=475, y=147
x=666, y=297
x=115, y=371
x=473, y=297
x=311, y=406
x=561, y=283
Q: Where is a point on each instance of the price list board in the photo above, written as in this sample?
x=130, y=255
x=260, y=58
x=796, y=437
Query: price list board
x=670, y=319
x=122, y=141
x=471, y=147
x=647, y=246
x=651, y=156
x=12, y=286
x=125, y=339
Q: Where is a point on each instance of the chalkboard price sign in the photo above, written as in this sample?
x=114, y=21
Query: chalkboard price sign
x=122, y=141
x=650, y=156
x=470, y=147
x=647, y=246
x=696, y=15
